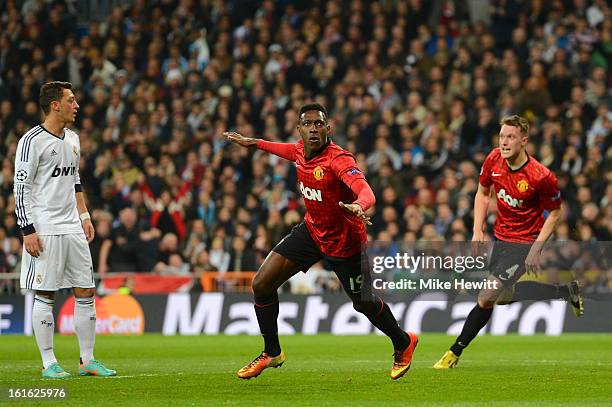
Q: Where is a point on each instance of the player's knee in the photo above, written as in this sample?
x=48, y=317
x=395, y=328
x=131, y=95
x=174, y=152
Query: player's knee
x=260, y=285
x=488, y=297
x=486, y=303
x=364, y=307
x=47, y=294
x=256, y=285
x=84, y=292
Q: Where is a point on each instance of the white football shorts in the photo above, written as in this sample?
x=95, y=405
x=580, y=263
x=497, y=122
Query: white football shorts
x=65, y=262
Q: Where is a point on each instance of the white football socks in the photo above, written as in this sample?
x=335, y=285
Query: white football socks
x=85, y=326
x=43, y=326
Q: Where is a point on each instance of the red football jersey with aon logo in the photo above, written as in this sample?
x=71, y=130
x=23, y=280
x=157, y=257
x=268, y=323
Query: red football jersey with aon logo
x=324, y=181
x=522, y=196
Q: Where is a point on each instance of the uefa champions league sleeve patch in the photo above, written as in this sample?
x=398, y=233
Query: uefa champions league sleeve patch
x=21, y=175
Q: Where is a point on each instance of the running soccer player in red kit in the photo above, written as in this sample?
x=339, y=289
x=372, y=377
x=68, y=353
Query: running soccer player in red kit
x=336, y=196
x=524, y=189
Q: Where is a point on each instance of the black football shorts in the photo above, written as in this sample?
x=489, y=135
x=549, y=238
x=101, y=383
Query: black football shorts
x=299, y=247
x=508, y=261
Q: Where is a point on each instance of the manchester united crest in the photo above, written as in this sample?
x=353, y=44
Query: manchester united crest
x=318, y=173
x=522, y=185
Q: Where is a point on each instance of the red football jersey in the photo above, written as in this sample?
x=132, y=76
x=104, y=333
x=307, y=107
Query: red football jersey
x=324, y=181
x=522, y=196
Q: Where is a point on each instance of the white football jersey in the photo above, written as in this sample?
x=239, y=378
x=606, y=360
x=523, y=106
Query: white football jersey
x=46, y=176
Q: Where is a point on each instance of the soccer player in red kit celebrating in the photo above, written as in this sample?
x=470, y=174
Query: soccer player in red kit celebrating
x=524, y=189
x=336, y=196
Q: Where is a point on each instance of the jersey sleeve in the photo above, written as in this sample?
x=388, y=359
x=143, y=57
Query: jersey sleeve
x=365, y=195
x=77, y=177
x=26, y=165
x=485, y=178
x=283, y=150
x=550, y=194
x=345, y=168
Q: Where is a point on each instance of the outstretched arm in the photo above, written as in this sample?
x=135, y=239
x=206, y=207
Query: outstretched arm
x=365, y=200
x=283, y=150
x=346, y=169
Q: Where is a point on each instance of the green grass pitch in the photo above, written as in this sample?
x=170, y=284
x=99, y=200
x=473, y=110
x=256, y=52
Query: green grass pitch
x=573, y=369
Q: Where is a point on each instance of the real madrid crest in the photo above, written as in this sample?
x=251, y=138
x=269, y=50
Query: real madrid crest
x=75, y=151
x=318, y=173
x=522, y=185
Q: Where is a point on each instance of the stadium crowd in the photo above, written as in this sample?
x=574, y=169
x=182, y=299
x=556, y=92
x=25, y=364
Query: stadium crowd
x=414, y=88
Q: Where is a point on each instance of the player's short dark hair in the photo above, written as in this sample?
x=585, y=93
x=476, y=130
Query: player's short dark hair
x=313, y=106
x=516, y=121
x=52, y=92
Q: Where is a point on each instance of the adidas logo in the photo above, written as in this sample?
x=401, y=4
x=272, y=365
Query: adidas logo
x=53, y=153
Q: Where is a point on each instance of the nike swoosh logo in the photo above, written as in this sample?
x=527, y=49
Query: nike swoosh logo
x=512, y=269
x=495, y=174
x=509, y=273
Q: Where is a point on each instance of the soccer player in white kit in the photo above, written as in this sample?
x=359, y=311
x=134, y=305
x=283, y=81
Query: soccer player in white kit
x=57, y=228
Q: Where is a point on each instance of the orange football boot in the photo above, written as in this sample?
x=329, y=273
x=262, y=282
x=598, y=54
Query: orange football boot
x=261, y=362
x=403, y=359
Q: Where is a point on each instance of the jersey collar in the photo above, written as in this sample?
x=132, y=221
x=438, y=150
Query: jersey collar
x=53, y=134
x=521, y=167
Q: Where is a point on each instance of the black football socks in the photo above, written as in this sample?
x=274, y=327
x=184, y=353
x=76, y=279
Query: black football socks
x=381, y=317
x=266, y=309
x=476, y=320
x=533, y=290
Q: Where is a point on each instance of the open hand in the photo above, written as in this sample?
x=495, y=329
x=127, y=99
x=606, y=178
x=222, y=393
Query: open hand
x=357, y=210
x=239, y=139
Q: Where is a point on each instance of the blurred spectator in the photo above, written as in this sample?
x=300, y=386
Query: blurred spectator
x=242, y=258
x=202, y=263
x=219, y=258
x=130, y=247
